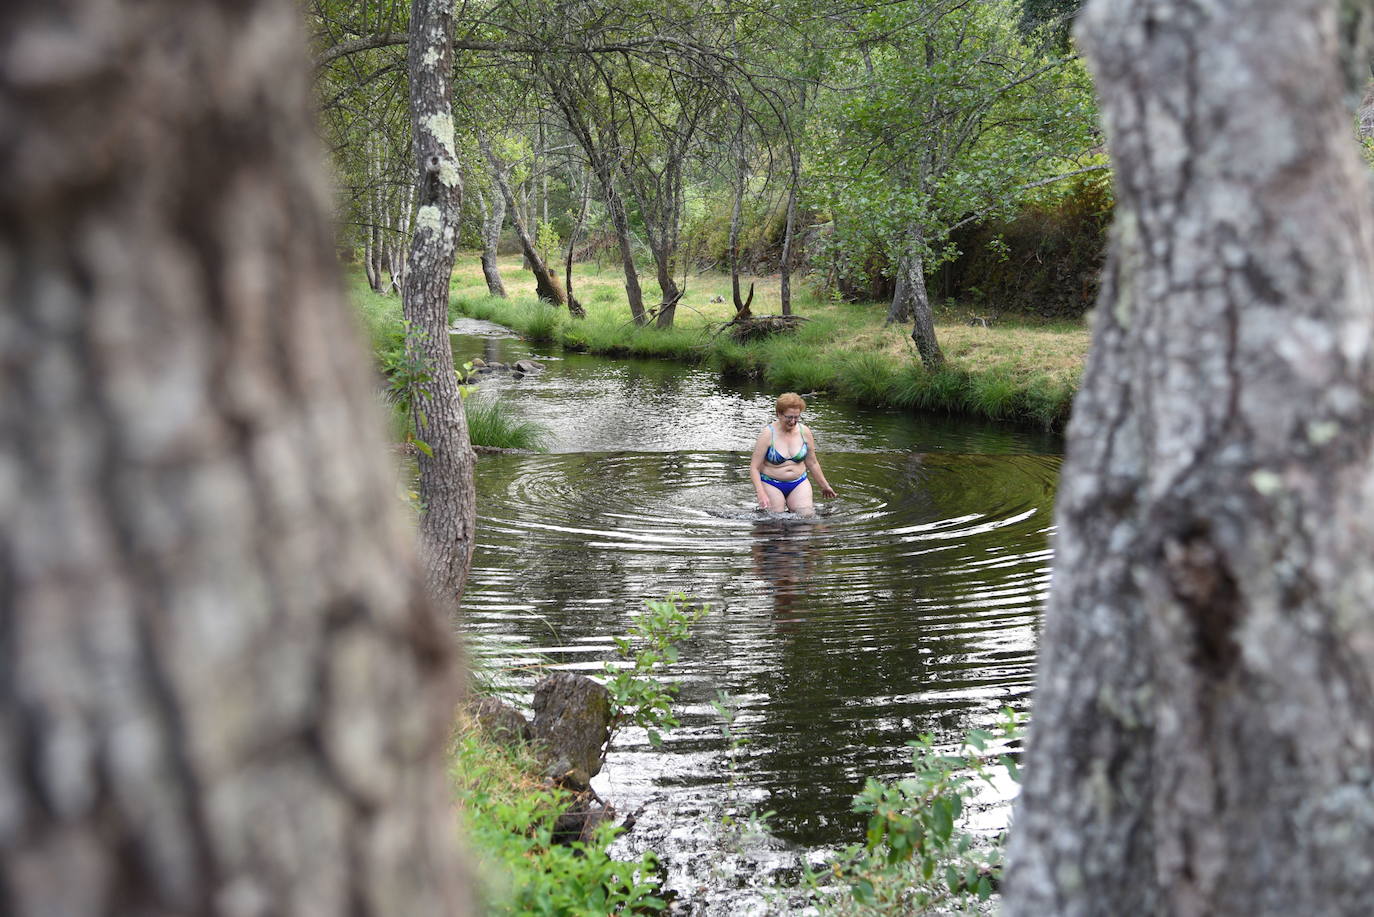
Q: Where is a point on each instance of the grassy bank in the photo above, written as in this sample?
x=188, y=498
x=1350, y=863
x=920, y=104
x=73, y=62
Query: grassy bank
x=508, y=812
x=490, y=423
x=998, y=367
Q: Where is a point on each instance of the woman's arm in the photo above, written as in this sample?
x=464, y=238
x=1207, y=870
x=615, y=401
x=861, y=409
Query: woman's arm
x=756, y=468
x=813, y=465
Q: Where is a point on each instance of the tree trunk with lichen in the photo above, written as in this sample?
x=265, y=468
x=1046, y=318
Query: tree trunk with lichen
x=1203, y=739
x=449, y=516
x=223, y=687
x=546, y=284
x=911, y=302
x=493, y=218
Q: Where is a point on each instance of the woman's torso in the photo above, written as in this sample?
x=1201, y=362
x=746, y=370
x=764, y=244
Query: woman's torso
x=785, y=458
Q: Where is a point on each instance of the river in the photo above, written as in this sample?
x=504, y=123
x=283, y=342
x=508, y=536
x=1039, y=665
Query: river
x=908, y=605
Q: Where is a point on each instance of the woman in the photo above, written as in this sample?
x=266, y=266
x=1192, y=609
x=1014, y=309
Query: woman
x=784, y=461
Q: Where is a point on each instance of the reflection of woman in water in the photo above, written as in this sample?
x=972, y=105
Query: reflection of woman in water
x=784, y=461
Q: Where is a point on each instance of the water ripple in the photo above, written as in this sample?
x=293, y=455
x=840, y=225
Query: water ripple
x=907, y=605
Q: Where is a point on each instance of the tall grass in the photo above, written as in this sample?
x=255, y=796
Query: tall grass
x=492, y=423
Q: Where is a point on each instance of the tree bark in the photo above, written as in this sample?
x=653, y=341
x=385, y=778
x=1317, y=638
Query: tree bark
x=911, y=301
x=736, y=220
x=789, y=235
x=625, y=241
x=575, y=308
x=493, y=218
x=223, y=688
x=604, y=168
x=546, y=282
x=1204, y=726
x=446, y=490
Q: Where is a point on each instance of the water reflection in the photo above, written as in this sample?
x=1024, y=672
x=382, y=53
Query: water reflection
x=784, y=553
x=908, y=605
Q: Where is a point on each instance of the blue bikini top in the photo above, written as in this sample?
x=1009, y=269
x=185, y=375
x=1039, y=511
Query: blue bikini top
x=774, y=457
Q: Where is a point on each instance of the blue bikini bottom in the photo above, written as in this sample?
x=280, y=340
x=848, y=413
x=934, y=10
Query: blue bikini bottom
x=784, y=486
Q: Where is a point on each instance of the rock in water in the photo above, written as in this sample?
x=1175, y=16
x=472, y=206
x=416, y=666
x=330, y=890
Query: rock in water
x=572, y=721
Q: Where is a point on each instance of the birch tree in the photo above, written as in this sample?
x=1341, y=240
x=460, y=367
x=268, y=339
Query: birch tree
x=1203, y=740
x=446, y=460
x=223, y=686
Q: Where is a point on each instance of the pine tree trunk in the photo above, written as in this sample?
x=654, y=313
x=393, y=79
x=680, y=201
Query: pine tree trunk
x=446, y=466
x=223, y=688
x=1203, y=736
x=493, y=218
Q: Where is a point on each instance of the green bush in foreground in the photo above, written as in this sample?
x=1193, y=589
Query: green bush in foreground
x=509, y=816
x=509, y=811
x=915, y=858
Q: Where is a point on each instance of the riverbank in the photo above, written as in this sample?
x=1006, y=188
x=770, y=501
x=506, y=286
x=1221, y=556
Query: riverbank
x=998, y=367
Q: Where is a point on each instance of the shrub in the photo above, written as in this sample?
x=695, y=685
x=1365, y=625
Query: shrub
x=492, y=423
x=509, y=815
x=915, y=857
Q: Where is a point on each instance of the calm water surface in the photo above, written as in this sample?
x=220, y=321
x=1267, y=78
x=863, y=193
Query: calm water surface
x=907, y=606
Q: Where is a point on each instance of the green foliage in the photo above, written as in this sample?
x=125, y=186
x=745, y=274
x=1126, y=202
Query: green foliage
x=638, y=696
x=408, y=373
x=915, y=857
x=492, y=423
x=994, y=394
x=949, y=111
x=541, y=324
x=1044, y=260
x=509, y=814
x=793, y=366
x=868, y=377
x=546, y=239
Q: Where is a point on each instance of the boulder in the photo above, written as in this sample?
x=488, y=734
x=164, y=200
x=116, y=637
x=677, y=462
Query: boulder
x=572, y=722
x=527, y=367
x=500, y=720
x=580, y=819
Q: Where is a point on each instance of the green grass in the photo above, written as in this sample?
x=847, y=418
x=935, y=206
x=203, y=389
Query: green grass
x=508, y=814
x=1007, y=368
x=492, y=423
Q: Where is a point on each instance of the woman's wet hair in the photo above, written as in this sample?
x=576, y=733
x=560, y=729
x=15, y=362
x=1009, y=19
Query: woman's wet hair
x=789, y=400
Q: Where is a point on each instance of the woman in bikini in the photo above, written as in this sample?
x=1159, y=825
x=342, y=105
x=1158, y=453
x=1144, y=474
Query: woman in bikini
x=784, y=461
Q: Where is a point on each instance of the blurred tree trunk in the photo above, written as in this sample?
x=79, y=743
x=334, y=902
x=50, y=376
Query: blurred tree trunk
x=1203, y=740
x=223, y=686
x=446, y=465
